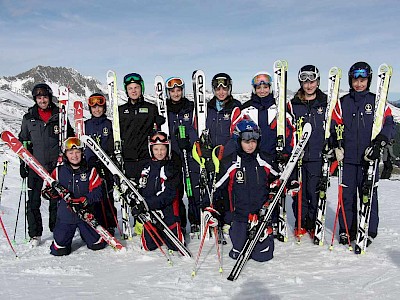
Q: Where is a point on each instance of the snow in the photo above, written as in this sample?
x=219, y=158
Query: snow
x=302, y=271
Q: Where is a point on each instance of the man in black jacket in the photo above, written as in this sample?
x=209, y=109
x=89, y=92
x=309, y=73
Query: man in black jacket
x=40, y=133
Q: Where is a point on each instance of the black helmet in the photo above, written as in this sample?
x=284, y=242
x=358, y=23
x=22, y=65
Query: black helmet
x=308, y=73
x=222, y=79
x=42, y=89
x=360, y=69
x=133, y=78
x=97, y=99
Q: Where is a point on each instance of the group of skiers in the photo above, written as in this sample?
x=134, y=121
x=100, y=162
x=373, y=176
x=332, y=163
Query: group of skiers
x=250, y=162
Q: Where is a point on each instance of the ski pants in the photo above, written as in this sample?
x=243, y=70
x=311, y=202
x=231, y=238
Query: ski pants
x=34, y=217
x=64, y=233
x=311, y=174
x=151, y=240
x=353, y=180
x=263, y=250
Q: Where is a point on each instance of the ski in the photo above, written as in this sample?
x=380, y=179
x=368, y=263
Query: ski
x=78, y=118
x=133, y=194
x=335, y=74
x=266, y=211
x=369, y=188
x=63, y=99
x=83, y=214
x=159, y=86
x=280, y=83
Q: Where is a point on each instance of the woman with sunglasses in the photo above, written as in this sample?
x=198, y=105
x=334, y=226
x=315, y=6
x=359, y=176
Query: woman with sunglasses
x=85, y=185
x=261, y=108
x=99, y=127
x=137, y=119
x=356, y=111
x=309, y=106
x=158, y=185
x=180, y=112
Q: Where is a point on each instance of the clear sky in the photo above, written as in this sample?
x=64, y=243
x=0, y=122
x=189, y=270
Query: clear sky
x=173, y=38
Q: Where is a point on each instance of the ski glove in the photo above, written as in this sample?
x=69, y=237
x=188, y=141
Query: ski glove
x=292, y=188
x=184, y=143
x=49, y=193
x=23, y=170
x=78, y=203
x=339, y=153
x=328, y=153
x=137, y=208
x=211, y=216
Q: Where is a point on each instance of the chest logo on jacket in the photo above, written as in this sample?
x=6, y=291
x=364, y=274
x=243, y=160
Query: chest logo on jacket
x=368, y=108
x=56, y=129
x=83, y=177
x=239, y=176
x=320, y=110
x=186, y=117
x=227, y=116
x=143, y=110
x=106, y=132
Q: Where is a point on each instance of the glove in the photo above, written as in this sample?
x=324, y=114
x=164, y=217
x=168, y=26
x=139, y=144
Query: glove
x=211, y=216
x=282, y=158
x=49, y=193
x=137, y=208
x=292, y=188
x=23, y=170
x=78, y=203
x=328, y=153
x=339, y=154
x=274, y=186
x=184, y=143
x=372, y=153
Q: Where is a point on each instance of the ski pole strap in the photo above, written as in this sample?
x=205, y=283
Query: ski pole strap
x=196, y=153
x=216, y=158
x=5, y=164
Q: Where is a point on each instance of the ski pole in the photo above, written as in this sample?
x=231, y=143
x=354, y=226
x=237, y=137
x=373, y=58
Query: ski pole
x=23, y=188
x=5, y=164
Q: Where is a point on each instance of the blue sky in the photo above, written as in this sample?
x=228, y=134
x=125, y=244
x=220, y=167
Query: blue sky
x=173, y=38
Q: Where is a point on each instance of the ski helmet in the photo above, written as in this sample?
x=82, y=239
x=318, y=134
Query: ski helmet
x=246, y=129
x=159, y=138
x=172, y=82
x=97, y=99
x=308, y=73
x=42, y=89
x=72, y=143
x=360, y=69
x=222, y=79
x=261, y=77
x=133, y=78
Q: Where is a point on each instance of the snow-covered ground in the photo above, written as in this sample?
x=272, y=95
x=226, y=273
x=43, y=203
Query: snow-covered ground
x=302, y=271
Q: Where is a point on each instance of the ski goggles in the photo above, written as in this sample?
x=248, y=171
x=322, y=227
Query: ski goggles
x=41, y=92
x=132, y=77
x=72, y=143
x=220, y=81
x=97, y=100
x=261, y=79
x=364, y=73
x=308, y=75
x=173, y=82
x=159, y=138
x=249, y=135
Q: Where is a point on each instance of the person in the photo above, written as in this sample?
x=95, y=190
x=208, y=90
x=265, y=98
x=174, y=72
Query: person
x=99, y=127
x=158, y=185
x=247, y=174
x=355, y=111
x=181, y=112
x=137, y=119
x=309, y=106
x=387, y=157
x=262, y=109
x=85, y=185
x=222, y=113
x=40, y=132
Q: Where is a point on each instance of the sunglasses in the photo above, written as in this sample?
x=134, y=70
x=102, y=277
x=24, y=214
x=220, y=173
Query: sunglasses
x=308, y=75
x=173, y=82
x=249, y=135
x=220, y=81
x=364, y=73
x=72, y=143
x=97, y=100
x=261, y=79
